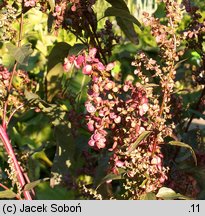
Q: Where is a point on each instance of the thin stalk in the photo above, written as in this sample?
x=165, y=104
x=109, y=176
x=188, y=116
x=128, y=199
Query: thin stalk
x=98, y=44
x=9, y=149
x=12, y=114
x=3, y=134
x=166, y=87
x=4, y=187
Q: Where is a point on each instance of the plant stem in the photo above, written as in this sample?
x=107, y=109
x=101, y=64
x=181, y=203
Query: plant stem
x=7, y=144
x=12, y=114
x=98, y=45
x=3, y=186
x=3, y=134
x=167, y=89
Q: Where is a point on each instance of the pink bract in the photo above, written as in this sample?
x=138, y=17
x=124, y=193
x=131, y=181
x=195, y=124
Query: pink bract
x=87, y=70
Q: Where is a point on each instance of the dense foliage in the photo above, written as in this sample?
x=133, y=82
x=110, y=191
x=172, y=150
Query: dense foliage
x=97, y=103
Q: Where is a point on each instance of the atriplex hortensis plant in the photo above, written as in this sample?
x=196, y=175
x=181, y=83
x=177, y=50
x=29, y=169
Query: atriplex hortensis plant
x=127, y=120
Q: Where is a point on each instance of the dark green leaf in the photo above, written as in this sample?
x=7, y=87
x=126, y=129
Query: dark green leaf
x=20, y=54
x=76, y=49
x=118, y=4
x=198, y=114
x=57, y=55
x=125, y=25
x=112, y=176
x=64, y=154
x=7, y=194
x=184, y=145
x=142, y=136
x=128, y=29
x=161, y=10
x=45, y=192
x=169, y=194
x=123, y=14
x=101, y=170
x=50, y=21
x=33, y=184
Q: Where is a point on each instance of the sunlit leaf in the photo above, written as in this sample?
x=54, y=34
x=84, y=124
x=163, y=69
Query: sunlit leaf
x=169, y=194
x=54, y=81
x=52, y=4
x=20, y=54
x=30, y=96
x=148, y=196
x=7, y=194
x=184, y=145
x=33, y=184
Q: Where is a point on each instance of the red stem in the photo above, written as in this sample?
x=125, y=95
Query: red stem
x=3, y=186
x=7, y=144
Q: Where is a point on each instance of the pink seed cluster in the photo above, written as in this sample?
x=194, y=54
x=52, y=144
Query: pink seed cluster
x=117, y=114
x=30, y=3
x=115, y=111
x=4, y=76
x=88, y=63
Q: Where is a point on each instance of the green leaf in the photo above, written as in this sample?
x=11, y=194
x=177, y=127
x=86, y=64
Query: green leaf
x=198, y=114
x=184, y=145
x=112, y=176
x=50, y=21
x=54, y=81
x=57, y=54
x=20, y=54
x=148, y=196
x=169, y=194
x=52, y=4
x=7, y=194
x=76, y=49
x=125, y=24
x=33, y=184
x=65, y=151
x=30, y=96
x=45, y=192
x=161, y=11
x=124, y=14
x=142, y=136
x=101, y=169
x=118, y=4
x=128, y=29
x=55, y=68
